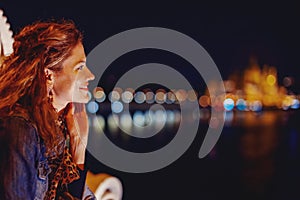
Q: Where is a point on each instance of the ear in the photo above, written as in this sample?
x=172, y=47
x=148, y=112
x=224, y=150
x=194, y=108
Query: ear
x=49, y=77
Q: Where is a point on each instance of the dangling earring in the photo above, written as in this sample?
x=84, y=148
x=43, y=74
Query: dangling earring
x=50, y=96
x=49, y=85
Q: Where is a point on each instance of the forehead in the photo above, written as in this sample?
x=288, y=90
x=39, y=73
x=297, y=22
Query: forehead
x=77, y=56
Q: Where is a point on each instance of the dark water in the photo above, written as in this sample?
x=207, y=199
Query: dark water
x=256, y=157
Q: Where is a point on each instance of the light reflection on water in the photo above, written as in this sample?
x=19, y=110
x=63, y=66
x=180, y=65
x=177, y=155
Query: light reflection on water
x=255, y=158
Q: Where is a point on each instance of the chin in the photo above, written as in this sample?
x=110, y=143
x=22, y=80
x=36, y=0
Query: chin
x=85, y=101
x=81, y=100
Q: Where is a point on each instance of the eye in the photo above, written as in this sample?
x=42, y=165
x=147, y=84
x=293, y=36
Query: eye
x=80, y=67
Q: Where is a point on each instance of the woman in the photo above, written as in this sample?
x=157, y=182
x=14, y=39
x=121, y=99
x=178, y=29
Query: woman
x=43, y=123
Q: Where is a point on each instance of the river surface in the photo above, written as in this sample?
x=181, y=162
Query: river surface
x=256, y=157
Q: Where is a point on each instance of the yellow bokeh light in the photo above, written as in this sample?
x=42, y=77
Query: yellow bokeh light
x=271, y=79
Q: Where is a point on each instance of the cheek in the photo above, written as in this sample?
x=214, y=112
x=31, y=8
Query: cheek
x=64, y=85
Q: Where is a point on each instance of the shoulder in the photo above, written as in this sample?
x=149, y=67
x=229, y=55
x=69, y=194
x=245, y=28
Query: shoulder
x=18, y=128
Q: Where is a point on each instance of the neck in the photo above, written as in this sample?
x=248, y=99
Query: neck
x=58, y=106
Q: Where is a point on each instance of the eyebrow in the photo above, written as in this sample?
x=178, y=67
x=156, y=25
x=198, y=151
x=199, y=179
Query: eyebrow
x=81, y=61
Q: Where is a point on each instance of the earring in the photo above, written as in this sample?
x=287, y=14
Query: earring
x=48, y=76
x=50, y=96
x=49, y=85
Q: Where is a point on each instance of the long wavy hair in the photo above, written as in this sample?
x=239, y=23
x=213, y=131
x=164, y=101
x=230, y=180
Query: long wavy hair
x=23, y=83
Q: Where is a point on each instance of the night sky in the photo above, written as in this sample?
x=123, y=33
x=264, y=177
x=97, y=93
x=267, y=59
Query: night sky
x=230, y=34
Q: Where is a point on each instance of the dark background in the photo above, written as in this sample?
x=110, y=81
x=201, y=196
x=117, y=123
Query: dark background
x=230, y=33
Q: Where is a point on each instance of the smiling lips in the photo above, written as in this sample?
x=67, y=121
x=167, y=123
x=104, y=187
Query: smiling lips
x=84, y=88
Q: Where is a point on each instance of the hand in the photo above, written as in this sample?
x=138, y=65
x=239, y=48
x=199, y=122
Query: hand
x=78, y=126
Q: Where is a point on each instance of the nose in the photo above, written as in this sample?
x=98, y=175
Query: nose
x=90, y=75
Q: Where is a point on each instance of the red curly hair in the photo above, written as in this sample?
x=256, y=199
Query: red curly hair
x=39, y=46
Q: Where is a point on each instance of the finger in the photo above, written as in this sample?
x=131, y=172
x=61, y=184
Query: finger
x=78, y=107
x=67, y=110
x=71, y=108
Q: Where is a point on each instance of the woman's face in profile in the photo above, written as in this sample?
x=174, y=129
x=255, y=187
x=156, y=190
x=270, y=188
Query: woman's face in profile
x=70, y=84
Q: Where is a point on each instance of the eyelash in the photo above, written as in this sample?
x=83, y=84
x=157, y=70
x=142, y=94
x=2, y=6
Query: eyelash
x=80, y=67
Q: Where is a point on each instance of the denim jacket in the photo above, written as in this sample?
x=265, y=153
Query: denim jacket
x=23, y=165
